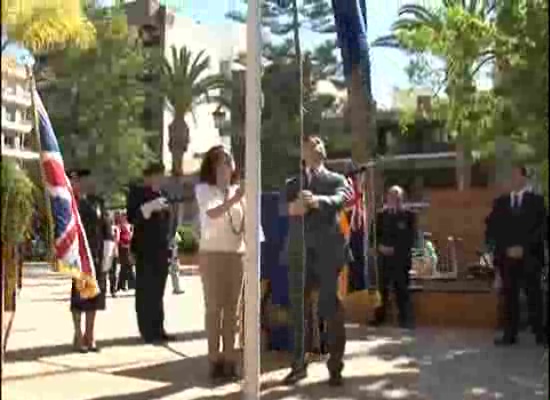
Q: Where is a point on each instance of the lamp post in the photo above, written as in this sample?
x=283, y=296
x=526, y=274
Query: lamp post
x=222, y=124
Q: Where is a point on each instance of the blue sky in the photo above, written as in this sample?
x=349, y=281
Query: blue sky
x=387, y=65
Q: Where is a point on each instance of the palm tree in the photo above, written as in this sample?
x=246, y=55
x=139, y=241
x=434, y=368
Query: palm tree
x=45, y=25
x=185, y=84
x=441, y=33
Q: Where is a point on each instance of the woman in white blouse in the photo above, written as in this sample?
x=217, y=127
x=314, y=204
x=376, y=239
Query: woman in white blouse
x=221, y=250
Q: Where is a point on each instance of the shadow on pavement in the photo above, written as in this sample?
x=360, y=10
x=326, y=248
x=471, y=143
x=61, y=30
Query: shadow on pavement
x=35, y=353
x=185, y=374
x=400, y=385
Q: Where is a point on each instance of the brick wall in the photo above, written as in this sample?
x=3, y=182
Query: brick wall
x=458, y=214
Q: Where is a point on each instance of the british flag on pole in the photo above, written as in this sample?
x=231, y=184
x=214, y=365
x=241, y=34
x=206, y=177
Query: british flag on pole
x=72, y=252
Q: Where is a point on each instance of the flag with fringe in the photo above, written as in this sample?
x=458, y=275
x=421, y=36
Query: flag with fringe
x=72, y=252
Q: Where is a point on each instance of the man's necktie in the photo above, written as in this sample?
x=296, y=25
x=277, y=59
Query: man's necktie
x=515, y=200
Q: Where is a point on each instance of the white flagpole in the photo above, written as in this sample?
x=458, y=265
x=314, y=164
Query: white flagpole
x=253, y=188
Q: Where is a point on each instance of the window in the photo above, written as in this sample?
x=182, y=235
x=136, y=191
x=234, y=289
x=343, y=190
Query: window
x=11, y=114
x=9, y=141
x=28, y=140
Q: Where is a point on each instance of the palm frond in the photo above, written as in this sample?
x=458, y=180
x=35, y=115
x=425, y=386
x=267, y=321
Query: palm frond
x=390, y=41
x=420, y=13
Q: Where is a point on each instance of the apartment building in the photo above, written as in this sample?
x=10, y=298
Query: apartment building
x=17, y=113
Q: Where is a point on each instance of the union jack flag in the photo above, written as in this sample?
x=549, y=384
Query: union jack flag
x=356, y=203
x=71, y=245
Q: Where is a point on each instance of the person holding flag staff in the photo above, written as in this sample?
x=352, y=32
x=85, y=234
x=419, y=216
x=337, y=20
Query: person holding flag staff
x=94, y=220
x=320, y=203
x=148, y=211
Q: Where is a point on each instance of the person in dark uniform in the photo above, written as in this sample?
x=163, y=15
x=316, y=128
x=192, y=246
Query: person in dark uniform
x=516, y=227
x=94, y=220
x=395, y=236
x=149, y=213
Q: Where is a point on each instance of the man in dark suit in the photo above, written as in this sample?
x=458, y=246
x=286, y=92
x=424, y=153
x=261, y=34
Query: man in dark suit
x=149, y=213
x=319, y=204
x=516, y=227
x=395, y=236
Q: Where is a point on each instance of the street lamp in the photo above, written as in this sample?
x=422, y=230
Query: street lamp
x=219, y=119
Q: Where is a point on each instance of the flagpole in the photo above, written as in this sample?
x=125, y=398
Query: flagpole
x=36, y=128
x=252, y=190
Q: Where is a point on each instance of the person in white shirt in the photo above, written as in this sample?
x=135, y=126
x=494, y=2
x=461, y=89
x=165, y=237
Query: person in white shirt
x=221, y=250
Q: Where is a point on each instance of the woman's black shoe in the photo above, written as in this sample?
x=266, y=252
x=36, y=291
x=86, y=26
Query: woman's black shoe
x=230, y=371
x=296, y=375
x=505, y=341
x=217, y=371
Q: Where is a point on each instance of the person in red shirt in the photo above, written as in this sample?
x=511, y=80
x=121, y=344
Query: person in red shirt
x=113, y=286
x=126, y=276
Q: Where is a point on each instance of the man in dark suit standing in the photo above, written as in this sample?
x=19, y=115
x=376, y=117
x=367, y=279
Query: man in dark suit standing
x=516, y=227
x=148, y=211
x=395, y=236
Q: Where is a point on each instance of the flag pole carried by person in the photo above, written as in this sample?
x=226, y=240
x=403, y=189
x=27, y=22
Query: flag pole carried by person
x=68, y=247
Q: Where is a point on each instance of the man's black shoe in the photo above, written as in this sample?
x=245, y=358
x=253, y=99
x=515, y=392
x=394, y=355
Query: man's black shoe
x=335, y=380
x=541, y=339
x=150, y=340
x=167, y=338
x=296, y=375
x=376, y=322
x=505, y=341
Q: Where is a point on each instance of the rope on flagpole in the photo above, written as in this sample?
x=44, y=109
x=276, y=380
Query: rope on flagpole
x=374, y=297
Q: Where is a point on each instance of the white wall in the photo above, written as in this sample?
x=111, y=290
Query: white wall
x=220, y=43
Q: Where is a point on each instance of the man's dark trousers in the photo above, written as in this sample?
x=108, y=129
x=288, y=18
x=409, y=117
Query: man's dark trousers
x=515, y=274
x=394, y=273
x=151, y=276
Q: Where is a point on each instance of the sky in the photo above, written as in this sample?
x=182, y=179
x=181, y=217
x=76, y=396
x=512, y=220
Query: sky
x=388, y=65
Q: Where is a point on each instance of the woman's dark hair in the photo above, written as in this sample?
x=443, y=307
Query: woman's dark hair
x=207, y=173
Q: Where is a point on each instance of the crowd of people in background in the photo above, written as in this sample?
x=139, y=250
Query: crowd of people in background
x=143, y=238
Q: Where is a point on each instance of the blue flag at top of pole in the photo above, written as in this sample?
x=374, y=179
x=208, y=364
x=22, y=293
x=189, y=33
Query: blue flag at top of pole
x=351, y=28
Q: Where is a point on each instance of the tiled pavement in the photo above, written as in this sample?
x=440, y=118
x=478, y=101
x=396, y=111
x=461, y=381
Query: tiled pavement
x=382, y=364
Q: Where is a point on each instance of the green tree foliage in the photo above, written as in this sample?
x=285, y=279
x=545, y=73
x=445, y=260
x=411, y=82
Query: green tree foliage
x=280, y=117
x=522, y=71
x=96, y=103
x=463, y=36
x=521, y=81
x=459, y=34
x=185, y=84
x=46, y=25
x=18, y=197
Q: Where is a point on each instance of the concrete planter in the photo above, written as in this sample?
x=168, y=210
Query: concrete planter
x=439, y=304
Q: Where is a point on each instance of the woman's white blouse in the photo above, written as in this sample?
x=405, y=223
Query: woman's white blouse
x=216, y=233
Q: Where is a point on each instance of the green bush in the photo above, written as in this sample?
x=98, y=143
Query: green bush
x=188, y=243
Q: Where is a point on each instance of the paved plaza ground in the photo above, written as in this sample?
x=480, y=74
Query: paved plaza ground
x=380, y=364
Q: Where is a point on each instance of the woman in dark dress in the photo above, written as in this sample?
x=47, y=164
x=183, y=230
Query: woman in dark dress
x=94, y=219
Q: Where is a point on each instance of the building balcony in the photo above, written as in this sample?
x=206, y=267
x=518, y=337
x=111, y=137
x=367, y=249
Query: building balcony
x=19, y=126
x=21, y=154
x=21, y=99
x=17, y=145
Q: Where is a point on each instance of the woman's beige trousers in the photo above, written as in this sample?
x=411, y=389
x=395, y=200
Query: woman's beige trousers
x=222, y=275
